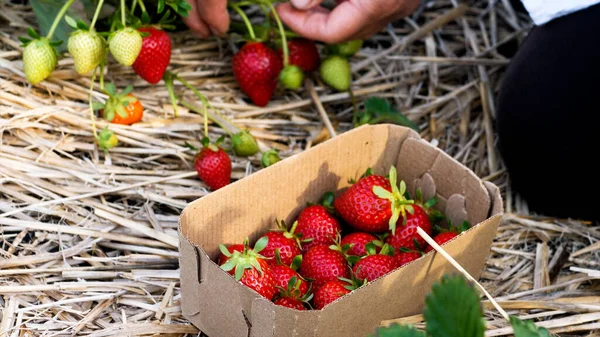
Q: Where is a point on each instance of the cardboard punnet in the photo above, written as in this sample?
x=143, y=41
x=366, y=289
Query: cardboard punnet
x=222, y=307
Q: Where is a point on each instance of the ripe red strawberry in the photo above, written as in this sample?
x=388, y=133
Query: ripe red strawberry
x=373, y=265
x=362, y=209
x=445, y=235
x=251, y=269
x=403, y=258
x=256, y=69
x=213, y=165
x=406, y=234
x=232, y=248
x=317, y=226
x=290, y=302
x=331, y=291
x=155, y=55
x=303, y=53
x=322, y=263
x=358, y=241
x=283, y=275
x=283, y=241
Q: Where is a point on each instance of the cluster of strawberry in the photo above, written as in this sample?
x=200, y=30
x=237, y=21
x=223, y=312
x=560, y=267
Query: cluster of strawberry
x=336, y=246
x=266, y=61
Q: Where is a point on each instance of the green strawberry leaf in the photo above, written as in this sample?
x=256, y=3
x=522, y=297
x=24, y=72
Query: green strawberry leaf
x=378, y=105
x=31, y=32
x=82, y=25
x=452, y=308
x=97, y=105
x=46, y=10
x=378, y=110
x=397, y=330
x=24, y=40
x=71, y=22
x=161, y=6
x=121, y=111
x=527, y=328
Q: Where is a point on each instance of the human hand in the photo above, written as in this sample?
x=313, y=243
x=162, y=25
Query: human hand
x=208, y=17
x=349, y=20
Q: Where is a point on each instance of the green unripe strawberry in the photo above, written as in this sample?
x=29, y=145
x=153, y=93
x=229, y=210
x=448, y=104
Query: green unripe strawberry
x=87, y=49
x=39, y=60
x=269, y=158
x=107, y=139
x=244, y=144
x=125, y=45
x=346, y=49
x=335, y=71
x=291, y=77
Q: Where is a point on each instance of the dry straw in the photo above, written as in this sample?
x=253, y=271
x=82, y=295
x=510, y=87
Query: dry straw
x=88, y=242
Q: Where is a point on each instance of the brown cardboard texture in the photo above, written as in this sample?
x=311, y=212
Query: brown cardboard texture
x=222, y=307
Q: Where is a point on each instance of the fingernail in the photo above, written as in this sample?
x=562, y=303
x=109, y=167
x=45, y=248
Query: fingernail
x=215, y=31
x=301, y=4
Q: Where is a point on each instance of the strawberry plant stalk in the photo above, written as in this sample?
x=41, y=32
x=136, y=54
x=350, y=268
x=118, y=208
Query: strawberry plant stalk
x=236, y=8
x=57, y=19
x=284, y=47
x=123, y=8
x=96, y=14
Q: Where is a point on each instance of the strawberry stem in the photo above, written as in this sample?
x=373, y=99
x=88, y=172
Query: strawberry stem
x=98, y=8
x=284, y=46
x=142, y=6
x=57, y=19
x=92, y=117
x=246, y=20
x=123, y=8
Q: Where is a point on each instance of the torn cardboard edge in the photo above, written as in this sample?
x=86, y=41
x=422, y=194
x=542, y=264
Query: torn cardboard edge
x=220, y=306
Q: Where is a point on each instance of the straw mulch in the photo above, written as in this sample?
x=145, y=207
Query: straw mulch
x=88, y=242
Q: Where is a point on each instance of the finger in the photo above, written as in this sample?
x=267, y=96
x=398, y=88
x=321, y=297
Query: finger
x=305, y=4
x=214, y=14
x=194, y=22
x=339, y=25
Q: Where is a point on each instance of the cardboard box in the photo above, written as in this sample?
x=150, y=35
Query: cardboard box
x=222, y=307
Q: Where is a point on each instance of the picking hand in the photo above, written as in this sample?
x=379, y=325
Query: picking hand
x=208, y=17
x=349, y=20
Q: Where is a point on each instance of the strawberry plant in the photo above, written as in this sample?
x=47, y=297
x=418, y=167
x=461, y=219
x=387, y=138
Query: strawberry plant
x=452, y=308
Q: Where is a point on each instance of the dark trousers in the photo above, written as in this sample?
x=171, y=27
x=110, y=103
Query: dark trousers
x=548, y=117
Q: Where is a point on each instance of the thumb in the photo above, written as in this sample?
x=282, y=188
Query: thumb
x=305, y=4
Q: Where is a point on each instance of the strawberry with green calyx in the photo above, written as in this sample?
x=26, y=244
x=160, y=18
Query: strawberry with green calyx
x=120, y=107
x=283, y=273
x=212, y=164
x=107, y=139
x=39, y=54
x=244, y=144
x=335, y=72
x=269, y=158
x=345, y=49
x=294, y=294
x=334, y=289
x=283, y=242
x=125, y=43
x=375, y=265
x=251, y=269
x=86, y=46
x=154, y=56
x=446, y=234
x=358, y=242
x=231, y=248
x=39, y=57
x=405, y=255
x=291, y=76
x=322, y=263
x=374, y=203
x=317, y=224
x=255, y=66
